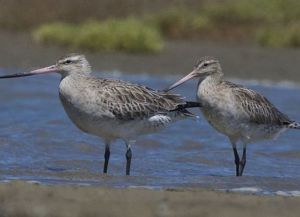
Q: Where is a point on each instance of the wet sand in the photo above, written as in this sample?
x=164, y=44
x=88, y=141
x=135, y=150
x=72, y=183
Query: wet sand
x=25, y=199
x=238, y=60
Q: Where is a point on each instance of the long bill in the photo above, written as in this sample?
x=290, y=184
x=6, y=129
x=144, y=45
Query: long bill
x=182, y=80
x=45, y=70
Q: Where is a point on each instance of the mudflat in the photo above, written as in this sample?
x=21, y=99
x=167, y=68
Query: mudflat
x=27, y=199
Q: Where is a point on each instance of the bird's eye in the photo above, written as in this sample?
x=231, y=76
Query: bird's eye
x=67, y=62
x=205, y=64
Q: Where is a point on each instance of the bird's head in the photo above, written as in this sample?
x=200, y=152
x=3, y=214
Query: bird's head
x=206, y=66
x=71, y=64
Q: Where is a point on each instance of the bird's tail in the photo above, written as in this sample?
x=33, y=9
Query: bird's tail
x=187, y=113
x=183, y=108
x=294, y=125
x=190, y=104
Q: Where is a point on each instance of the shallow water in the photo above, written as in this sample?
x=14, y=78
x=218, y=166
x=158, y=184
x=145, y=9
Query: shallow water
x=39, y=143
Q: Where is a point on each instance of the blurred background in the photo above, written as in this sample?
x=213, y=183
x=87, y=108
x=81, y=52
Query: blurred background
x=164, y=37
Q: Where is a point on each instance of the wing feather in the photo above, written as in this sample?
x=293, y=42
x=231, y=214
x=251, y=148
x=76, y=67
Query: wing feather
x=259, y=109
x=129, y=101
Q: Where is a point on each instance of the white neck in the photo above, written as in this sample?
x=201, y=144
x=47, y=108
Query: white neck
x=212, y=79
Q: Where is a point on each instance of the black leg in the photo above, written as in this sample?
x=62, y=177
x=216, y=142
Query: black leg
x=236, y=161
x=128, y=160
x=106, y=158
x=243, y=162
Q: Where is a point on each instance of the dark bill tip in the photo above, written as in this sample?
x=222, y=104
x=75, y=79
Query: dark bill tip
x=23, y=74
x=45, y=70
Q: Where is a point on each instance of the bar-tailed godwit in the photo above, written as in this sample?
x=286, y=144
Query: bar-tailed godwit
x=242, y=114
x=112, y=109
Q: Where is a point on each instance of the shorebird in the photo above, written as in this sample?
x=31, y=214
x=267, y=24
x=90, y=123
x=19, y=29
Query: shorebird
x=112, y=109
x=242, y=114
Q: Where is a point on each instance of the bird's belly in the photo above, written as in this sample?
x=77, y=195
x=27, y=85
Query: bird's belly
x=110, y=128
x=235, y=127
x=254, y=132
x=85, y=119
x=86, y=122
x=222, y=121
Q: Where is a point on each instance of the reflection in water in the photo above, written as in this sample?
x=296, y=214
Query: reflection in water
x=39, y=142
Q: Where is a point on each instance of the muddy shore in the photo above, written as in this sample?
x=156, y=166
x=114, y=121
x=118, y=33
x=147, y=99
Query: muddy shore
x=238, y=60
x=25, y=199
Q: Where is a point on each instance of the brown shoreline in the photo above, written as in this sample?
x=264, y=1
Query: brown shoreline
x=26, y=199
x=243, y=61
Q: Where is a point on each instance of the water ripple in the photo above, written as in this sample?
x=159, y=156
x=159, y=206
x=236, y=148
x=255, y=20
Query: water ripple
x=39, y=143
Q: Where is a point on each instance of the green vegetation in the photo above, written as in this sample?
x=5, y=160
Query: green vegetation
x=280, y=36
x=273, y=23
x=128, y=35
x=180, y=23
x=235, y=19
x=56, y=33
x=233, y=12
x=29, y=14
x=247, y=12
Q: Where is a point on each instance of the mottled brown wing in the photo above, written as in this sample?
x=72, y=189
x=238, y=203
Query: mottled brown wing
x=130, y=101
x=259, y=108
